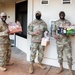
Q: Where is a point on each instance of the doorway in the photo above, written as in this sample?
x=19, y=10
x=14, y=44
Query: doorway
x=21, y=16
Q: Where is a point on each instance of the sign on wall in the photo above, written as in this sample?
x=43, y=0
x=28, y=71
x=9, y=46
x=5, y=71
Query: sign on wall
x=44, y=1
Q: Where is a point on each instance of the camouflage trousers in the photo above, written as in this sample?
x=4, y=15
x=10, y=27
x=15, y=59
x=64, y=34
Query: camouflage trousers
x=34, y=48
x=67, y=48
x=5, y=53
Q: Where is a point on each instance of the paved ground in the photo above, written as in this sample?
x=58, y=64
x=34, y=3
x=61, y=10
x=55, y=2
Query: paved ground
x=21, y=66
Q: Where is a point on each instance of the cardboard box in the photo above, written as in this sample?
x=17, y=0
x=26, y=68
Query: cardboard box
x=44, y=42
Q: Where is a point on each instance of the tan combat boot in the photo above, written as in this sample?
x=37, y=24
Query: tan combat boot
x=3, y=69
x=9, y=64
x=41, y=66
x=31, y=69
x=71, y=72
x=61, y=69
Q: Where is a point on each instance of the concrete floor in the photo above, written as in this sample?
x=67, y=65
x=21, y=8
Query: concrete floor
x=21, y=66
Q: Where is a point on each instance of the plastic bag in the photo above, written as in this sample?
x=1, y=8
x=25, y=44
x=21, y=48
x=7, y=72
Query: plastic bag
x=14, y=28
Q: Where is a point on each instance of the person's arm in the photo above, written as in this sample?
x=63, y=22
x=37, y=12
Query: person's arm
x=46, y=27
x=54, y=30
x=3, y=33
x=30, y=29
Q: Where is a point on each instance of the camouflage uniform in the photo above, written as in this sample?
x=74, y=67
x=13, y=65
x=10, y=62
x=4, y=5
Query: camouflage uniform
x=5, y=47
x=63, y=42
x=41, y=26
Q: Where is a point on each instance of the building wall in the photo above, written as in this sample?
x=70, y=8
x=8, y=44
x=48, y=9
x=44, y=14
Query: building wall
x=17, y=1
x=50, y=13
x=0, y=7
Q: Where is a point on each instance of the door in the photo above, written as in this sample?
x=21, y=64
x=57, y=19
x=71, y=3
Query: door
x=21, y=16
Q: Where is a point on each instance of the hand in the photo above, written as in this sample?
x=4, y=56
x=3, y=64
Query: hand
x=11, y=33
x=56, y=37
x=7, y=30
x=48, y=43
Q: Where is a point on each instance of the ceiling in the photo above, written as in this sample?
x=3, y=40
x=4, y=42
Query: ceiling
x=10, y=1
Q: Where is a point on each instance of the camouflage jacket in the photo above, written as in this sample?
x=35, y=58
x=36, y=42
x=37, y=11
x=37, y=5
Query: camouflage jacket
x=62, y=38
x=37, y=25
x=4, y=36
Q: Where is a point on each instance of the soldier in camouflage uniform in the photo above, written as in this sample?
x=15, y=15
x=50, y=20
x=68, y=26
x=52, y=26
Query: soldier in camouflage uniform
x=63, y=43
x=36, y=30
x=5, y=47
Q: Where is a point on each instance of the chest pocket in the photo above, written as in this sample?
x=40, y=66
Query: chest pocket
x=38, y=27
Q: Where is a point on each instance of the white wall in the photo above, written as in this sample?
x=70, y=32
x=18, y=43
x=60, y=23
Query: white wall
x=50, y=13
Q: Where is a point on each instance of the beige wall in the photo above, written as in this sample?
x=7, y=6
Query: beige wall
x=17, y=1
x=0, y=7
x=10, y=10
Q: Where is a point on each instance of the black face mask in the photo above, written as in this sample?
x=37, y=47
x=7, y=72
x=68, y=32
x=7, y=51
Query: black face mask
x=38, y=17
x=4, y=18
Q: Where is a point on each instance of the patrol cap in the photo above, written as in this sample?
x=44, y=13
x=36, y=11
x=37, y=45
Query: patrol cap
x=38, y=12
x=3, y=14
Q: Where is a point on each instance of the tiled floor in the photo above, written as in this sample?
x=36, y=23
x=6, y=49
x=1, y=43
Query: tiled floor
x=21, y=66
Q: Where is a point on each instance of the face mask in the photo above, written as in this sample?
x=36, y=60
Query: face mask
x=62, y=16
x=4, y=18
x=38, y=17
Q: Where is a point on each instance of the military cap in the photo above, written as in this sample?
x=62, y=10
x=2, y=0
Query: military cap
x=38, y=12
x=3, y=14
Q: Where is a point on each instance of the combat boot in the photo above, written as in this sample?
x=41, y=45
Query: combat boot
x=3, y=69
x=41, y=66
x=9, y=64
x=71, y=72
x=31, y=69
x=61, y=69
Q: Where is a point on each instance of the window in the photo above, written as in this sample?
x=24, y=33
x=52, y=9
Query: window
x=44, y=1
x=66, y=1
